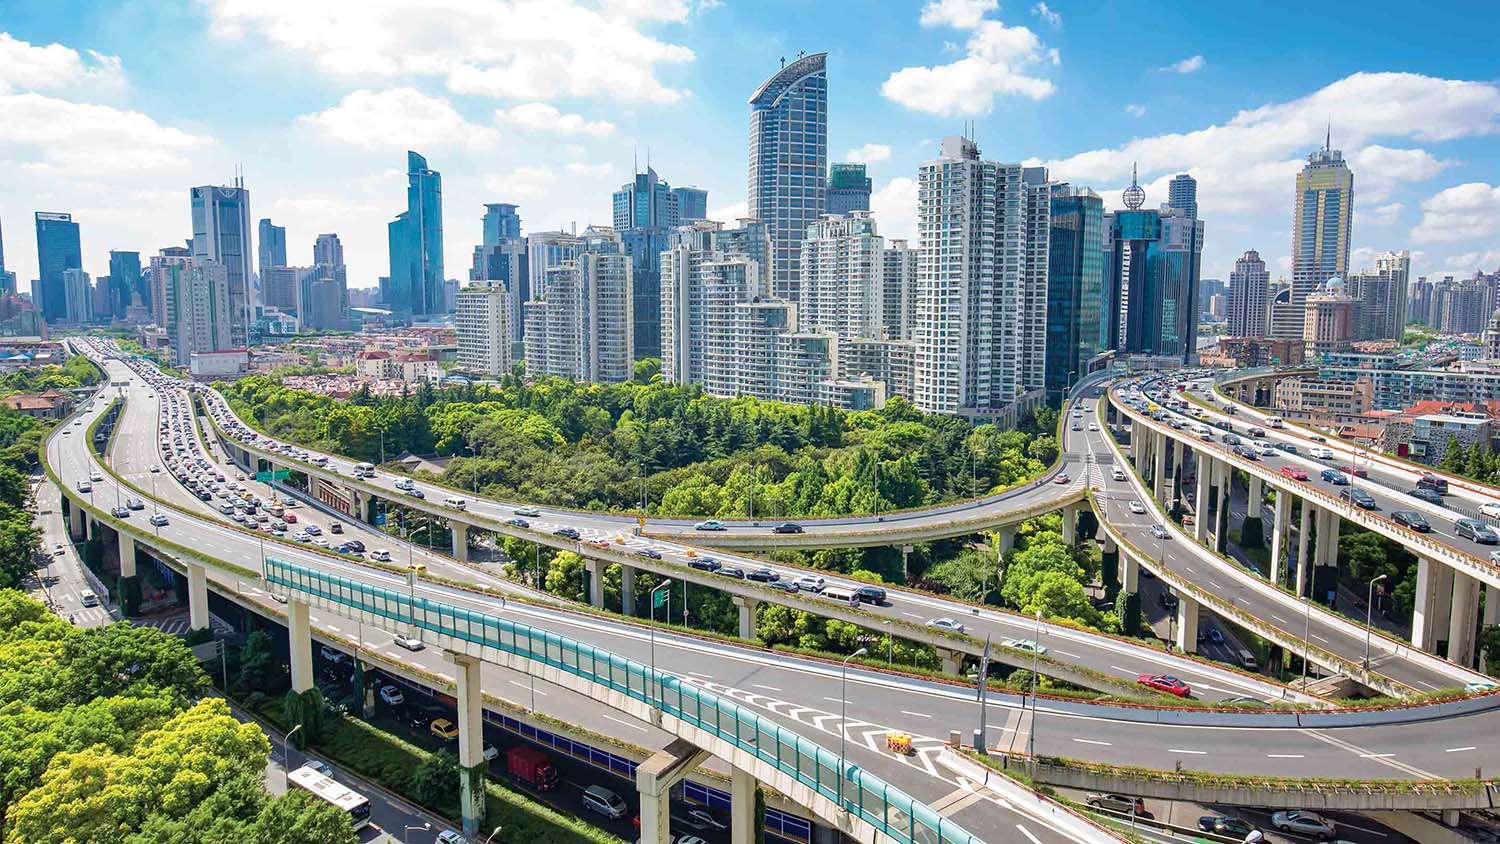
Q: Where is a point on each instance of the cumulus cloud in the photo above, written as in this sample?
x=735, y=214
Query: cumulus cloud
x=1193, y=64
x=584, y=168
x=1048, y=16
x=544, y=117
x=962, y=14
x=1487, y=260
x=868, y=154
x=998, y=61
x=86, y=140
x=524, y=181
x=1461, y=213
x=501, y=48
x=731, y=212
x=1380, y=215
x=54, y=67
x=895, y=208
x=398, y=118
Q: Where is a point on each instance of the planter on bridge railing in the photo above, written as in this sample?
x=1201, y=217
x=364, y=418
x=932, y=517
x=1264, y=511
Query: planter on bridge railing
x=883, y=806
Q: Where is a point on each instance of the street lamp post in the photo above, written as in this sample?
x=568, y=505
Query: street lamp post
x=426, y=827
x=890, y=648
x=660, y=586
x=1369, y=608
x=492, y=835
x=1035, y=667
x=843, y=717
x=286, y=755
x=1306, y=633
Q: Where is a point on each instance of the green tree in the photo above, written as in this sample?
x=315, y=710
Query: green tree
x=105, y=661
x=434, y=781
x=1454, y=457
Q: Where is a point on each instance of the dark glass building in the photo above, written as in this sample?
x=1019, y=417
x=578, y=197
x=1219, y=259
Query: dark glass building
x=415, y=237
x=645, y=212
x=126, y=281
x=1077, y=330
x=57, y=251
x=1153, y=264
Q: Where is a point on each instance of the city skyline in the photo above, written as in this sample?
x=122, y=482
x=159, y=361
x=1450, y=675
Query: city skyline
x=319, y=155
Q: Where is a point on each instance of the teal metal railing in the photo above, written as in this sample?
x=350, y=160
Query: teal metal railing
x=887, y=808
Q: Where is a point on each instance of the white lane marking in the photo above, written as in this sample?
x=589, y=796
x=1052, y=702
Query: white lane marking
x=911, y=615
x=1376, y=755
x=701, y=674
x=915, y=714
x=767, y=688
x=1126, y=670
x=1458, y=749
x=1215, y=585
x=1278, y=618
x=1026, y=832
x=1092, y=741
x=836, y=699
x=1284, y=756
x=1194, y=752
x=1068, y=655
x=626, y=723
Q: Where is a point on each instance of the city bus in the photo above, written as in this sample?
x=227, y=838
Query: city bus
x=334, y=793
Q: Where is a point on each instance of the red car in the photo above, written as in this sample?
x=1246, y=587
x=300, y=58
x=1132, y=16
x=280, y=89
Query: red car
x=1294, y=473
x=1355, y=471
x=1165, y=683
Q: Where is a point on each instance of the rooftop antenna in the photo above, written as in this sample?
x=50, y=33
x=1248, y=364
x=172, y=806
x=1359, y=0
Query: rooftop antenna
x=1328, y=139
x=635, y=158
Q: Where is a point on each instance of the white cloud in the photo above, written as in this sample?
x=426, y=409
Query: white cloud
x=27, y=67
x=997, y=63
x=868, y=154
x=544, y=117
x=1043, y=11
x=1378, y=169
x=1248, y=163
x=583, y=168
x=398, y=118
x=895, y=208
x=1487, y=260
x=1380, y=215
x=731, y=212
x=502, y=48
x=1465, y=212
x=962, y=14
x=82, y=140
x=1186, y=66
x=1135, y=109
x=524, y=181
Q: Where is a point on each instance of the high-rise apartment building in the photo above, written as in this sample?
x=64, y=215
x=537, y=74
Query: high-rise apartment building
x=501, y=259
x=1380, y=297
x=1077, y=325
x=980, y=320
x=545, y=250
x=1182, y=194
x=482, y=322
x=706, y=268
x=1328, y=319
x=57, y=251
x=692, y=204
x=1249, y=285
x=328, y=266
x=1322, y=224
x=645, y=212
x=78, y=291
x=271, y=246
x=898, y=290
x=789, y=162
x=125, y=282
x=1153, y=263
x=1461, y=306
x=848, y=189
x=221, y=235
x=581, y=328
x=843, y=276
x=165, y=267
x=415, y=239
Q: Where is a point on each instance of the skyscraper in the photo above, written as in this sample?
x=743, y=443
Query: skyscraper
x=1182, y=194
x=125, y=280
x=1249, y=284
x=848, y=189
x=271, y=246
x=481, y=321
x=79, y=296
x=57, y=250
x=501, y=260
x=843, y=276
x=581, y=329
x=789, y=162
x=1154, y=258
x=221, y=234
x=1322, y=224
x=981, y=311
x=415, y=285
x=1328, y=319
x=704, y=270
x=501, y=222
x=1077, y=328
x=692, y=204
x=645, y=212
x=7, y=277
x=193, y=296
x=899, y=290
x=1380, y=297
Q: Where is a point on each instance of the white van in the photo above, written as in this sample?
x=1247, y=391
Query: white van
x=1273, y=421
x=455, y=502
x=380, y=555
x=364, y=470
x=88, y=598
x=598, y=799
x=319, y=460
x=404, y=483
x=841, y=594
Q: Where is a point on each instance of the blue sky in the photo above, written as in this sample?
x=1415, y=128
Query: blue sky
x=112, y=110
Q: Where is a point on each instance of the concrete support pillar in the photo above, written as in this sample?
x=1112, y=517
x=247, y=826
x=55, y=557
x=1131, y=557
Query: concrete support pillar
x=1070, y=523
x=460, y=540
x=471, y=762
x=1223, y=480
x=741, y=807
x=1423, y=630
x=1187, y=624
x=127, y=554
x=1442, y=578
x=367, y=706
x=1491, y=617
x=76, y=529
x=1200, y=500
x=197, y=597
x=90, y=527
x=627, y=590
x=1462, y=618
x=1159, y=467
x=1179, y=454
x=953, y=661
x=1328, y=539
x=654, y=779
x=1256, y=496
x=299, y=639
x=747, y=607
x=1130, y=572
x=595, y=571
x=1281, y=525
x=1007, y=536
x=1304, y=532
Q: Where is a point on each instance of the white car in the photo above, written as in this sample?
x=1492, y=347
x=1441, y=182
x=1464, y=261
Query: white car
x=1118, y=475
x=301, y=536
x=392, y=695
x=411, y=643
x=1490, y=509
x=1028, y=645
x=528, y=512
x=380, y=555
x=1264, y=449
x=1093, y=426
x=810, y=583
x=1137, y=507
x=946, y=623
x=1305, y=823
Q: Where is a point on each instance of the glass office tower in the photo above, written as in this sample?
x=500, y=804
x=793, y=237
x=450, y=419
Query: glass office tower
x=1076, y=324
x=415, y=238
x=57, y=251
x=789, y=162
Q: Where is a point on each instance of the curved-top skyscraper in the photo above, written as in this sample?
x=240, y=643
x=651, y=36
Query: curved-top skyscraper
x=789, y=162
x=415, y=285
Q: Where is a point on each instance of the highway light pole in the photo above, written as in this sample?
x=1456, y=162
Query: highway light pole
x=1369, y=608
x=1035, y=668
x=426, y=827
x=843, y=717
x=660, y=586
x=475, y=456
x=286, y=755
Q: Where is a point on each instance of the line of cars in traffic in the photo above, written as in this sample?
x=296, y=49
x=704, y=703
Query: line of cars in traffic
x=1293, y=821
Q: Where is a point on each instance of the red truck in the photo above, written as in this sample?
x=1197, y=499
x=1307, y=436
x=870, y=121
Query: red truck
x=531, y=765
